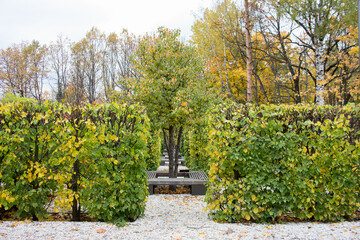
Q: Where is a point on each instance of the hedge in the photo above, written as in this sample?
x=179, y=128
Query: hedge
x=276, y=161
x=154, y=148
x=93, y=155
x=195, y=143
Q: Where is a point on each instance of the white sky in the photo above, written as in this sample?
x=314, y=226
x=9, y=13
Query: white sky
x=44, y=20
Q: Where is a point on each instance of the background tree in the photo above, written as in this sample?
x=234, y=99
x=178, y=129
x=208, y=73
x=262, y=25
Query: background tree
x=170, y=86
x=23, y=69
x=220, y=40
x=13, y=71
x=59, y=65
x=76, y=91
x=117, y=69
x=284, y=52
x=37, y=68
x=249, y=66
x=92, y=50
x=322, y=22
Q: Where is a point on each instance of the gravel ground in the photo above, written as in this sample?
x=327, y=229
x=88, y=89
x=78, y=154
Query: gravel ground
x=176, y=217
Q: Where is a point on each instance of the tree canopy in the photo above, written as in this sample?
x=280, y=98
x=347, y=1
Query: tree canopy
x=170, y=85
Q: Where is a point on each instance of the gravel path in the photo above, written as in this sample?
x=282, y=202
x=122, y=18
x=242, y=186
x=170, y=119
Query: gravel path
x=176, y=217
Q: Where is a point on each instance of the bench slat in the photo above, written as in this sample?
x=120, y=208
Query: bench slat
x=198, y=175
x=176, y=181
x=196, y=181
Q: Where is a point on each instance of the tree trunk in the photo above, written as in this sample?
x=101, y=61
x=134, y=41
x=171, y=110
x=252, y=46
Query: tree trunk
x=248, y=55
x=297, y=90
x=320, y=74
x=172, y=143
x=74, y=188
x=171, y=152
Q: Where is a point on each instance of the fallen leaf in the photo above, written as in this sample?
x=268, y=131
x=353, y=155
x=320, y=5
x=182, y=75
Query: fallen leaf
x=240, y=236
x=202, y=234
x=3, y=234
x=177, y=238
x=244, y=231
x=229, y=231
x=42, y=227
x=268, y=227
x=14, y=224
x=27, y=221
x=168, y=220
x=101, y=230
x=354, y=228
x=74, y=229
x=345, y=230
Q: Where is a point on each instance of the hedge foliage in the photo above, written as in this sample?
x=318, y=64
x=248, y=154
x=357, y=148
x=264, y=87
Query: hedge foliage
x=275, y=161
x=196, y=149
x=94, y=155
x=154, y=146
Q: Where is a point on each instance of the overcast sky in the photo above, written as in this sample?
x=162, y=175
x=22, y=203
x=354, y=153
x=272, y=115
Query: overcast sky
x=44, y=20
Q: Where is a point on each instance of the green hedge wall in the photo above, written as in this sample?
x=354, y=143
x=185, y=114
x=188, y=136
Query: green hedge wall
x=93, y=156
x=275, y=161
x=154, y=146
x=197, y=154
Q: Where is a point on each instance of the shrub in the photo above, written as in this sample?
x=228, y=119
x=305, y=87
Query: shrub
x=154, y=150
x=118, y=190
x=93, y=155
x=27, y=141
x=276, y=160
x=197, y=154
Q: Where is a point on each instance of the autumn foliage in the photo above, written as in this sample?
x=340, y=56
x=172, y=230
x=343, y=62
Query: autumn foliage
x=91, y=157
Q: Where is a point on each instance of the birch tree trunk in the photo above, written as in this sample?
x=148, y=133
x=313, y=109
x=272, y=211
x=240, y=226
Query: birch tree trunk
x=248, y=55
x=320, y=74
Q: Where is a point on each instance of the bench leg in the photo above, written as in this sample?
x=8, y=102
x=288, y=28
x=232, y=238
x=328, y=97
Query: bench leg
x=151, y=189
x=198, y=190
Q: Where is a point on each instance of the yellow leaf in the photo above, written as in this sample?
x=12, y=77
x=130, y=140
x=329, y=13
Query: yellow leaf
x=202, y=234
x=254, y=198
x=245, y=150
x=14, y=224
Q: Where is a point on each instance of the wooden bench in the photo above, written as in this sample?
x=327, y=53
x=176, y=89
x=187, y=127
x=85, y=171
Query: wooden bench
x=181, y=161
x=196, y=180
